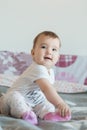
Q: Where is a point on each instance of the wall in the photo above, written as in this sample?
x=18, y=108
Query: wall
x=21, y=20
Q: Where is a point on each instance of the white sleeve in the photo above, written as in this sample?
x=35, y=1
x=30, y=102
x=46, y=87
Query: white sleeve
x=38, y=72
x=35, y=72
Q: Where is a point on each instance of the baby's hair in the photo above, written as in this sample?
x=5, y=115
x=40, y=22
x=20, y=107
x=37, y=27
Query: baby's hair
x=46, y=33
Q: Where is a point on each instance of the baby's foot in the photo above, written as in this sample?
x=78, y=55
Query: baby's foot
x=30, y=117
x=53, y=116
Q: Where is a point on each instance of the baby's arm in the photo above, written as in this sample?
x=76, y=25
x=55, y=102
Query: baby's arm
x=53, y=97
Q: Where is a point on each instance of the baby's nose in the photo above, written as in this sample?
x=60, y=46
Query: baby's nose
x=49, y=51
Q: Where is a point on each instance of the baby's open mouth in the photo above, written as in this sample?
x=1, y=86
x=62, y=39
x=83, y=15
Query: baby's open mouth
x=48, y=58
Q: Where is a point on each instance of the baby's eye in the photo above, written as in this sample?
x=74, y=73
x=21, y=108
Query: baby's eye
x=43, y=46
x=54, y=49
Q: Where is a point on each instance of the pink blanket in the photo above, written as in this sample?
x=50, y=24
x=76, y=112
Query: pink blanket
x=69, y=69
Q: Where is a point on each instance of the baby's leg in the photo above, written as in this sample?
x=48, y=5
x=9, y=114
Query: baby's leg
x=47, y=111
x=43, y=108
x=19, y=108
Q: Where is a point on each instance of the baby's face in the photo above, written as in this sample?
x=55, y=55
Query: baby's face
x=46, y=51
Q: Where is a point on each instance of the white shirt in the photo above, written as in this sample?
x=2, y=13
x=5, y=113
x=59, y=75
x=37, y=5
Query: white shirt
x=26, y=85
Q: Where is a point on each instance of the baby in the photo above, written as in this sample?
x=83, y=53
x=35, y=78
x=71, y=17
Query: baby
x=33, y=94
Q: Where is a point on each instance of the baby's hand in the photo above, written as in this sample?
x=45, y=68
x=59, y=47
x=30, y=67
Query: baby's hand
x=63, y=109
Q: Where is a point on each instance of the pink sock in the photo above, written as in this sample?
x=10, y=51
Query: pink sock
x=30, y=117
x=53, y=116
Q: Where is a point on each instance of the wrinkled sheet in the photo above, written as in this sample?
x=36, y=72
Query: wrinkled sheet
x=78, y=104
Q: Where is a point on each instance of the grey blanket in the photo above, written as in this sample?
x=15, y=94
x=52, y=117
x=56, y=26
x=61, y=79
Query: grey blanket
x=78, y=104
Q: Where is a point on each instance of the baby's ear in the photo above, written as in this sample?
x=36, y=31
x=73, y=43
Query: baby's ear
x=32, y=52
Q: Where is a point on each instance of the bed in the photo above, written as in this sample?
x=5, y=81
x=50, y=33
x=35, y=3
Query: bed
x=71, y=83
